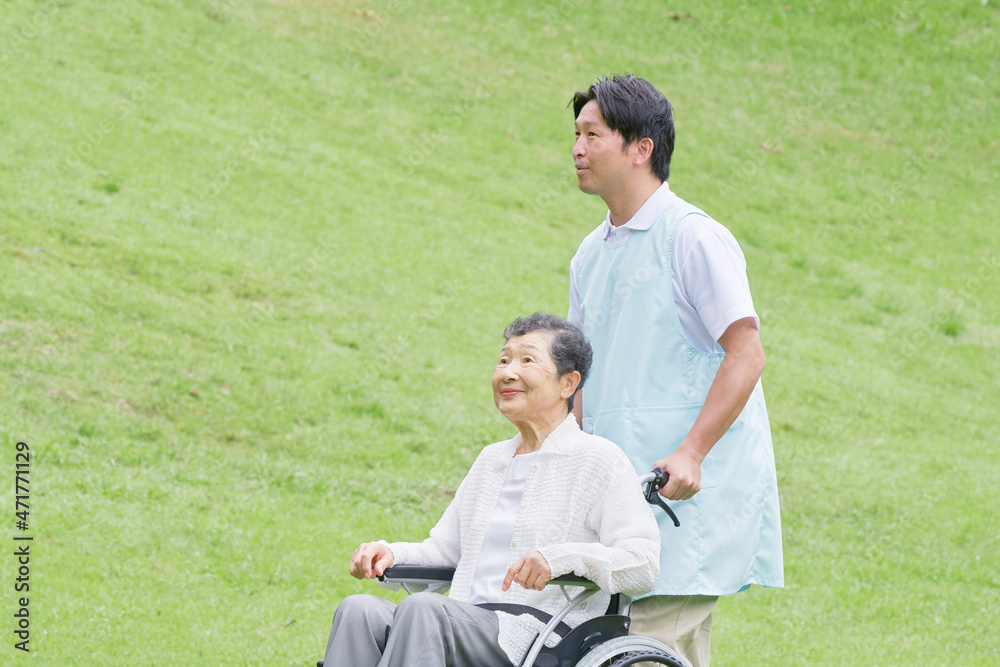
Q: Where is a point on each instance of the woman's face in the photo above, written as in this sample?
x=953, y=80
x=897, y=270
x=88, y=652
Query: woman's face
x=525, y=382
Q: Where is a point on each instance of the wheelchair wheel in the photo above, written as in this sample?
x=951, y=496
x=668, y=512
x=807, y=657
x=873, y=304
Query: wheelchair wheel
x=624, y=651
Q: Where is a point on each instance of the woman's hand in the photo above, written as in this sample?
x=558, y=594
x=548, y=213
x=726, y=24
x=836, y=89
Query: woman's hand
x=531, y=571
x=370, y=560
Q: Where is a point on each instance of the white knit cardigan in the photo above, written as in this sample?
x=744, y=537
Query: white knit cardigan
x=582, y=508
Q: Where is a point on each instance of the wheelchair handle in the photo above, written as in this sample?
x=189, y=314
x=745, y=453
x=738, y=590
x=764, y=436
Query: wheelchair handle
x=654, y=481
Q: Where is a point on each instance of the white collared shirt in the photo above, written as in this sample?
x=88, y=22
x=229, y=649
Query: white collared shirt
x=709, y=272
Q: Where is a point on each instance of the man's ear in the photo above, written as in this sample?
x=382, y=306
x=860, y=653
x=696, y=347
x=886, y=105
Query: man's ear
x=570, y=381
x=644, y=151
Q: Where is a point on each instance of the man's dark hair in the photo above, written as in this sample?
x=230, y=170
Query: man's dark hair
x=635, y=109
x=569, y=348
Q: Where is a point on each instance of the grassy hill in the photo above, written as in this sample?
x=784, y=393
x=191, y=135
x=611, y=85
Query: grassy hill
x=256, y=257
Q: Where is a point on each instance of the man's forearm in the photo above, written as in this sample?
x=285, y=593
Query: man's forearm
x=734, y=382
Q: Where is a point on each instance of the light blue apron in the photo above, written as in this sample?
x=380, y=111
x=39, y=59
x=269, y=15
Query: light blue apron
x=647, y=386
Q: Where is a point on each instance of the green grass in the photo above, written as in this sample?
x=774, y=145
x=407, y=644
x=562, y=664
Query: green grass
x=256, y=257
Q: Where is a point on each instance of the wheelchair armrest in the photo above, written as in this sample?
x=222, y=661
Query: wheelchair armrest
x=417, y=573
x=572, y=580
x=420, y=574
x=413, y=578
x=420, y=577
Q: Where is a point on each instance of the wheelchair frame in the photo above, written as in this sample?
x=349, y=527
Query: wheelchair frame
x=597, y=642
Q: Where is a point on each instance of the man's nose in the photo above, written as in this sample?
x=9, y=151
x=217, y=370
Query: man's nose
x=578, y=147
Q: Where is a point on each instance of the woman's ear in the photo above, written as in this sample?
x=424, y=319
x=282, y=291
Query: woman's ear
x=568, y=383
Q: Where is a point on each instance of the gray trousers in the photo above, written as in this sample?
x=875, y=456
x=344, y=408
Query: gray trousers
x=424, y=630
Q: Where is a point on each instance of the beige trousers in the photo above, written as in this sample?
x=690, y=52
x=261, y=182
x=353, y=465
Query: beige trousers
x=682, y=622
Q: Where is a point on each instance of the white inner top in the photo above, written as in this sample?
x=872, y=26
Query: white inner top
x=492, y=566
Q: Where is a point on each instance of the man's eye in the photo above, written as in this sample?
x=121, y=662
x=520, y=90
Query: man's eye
x=528, y=360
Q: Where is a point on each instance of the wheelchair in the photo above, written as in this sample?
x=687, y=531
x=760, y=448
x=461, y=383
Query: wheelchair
x=602, y=641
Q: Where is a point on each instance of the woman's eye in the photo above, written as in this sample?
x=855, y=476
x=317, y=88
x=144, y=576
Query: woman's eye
x=528, y=360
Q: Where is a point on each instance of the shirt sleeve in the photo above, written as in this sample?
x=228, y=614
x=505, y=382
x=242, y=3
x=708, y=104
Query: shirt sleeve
x=711, y=273
x=575, y=315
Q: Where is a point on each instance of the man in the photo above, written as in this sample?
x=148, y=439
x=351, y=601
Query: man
x=661, y=291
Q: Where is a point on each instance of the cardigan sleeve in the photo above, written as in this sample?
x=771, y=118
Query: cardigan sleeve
x=627, y=557
x=443, y=548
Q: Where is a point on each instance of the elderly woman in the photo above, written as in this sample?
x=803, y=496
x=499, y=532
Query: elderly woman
x=550, y=501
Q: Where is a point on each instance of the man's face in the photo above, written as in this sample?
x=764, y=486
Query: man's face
x=601, y=165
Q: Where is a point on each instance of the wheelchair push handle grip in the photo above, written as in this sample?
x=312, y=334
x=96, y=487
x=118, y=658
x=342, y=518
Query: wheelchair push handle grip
x=654, y=481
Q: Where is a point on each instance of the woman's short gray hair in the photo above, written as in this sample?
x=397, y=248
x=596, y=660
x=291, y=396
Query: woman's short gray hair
x=569, y=347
